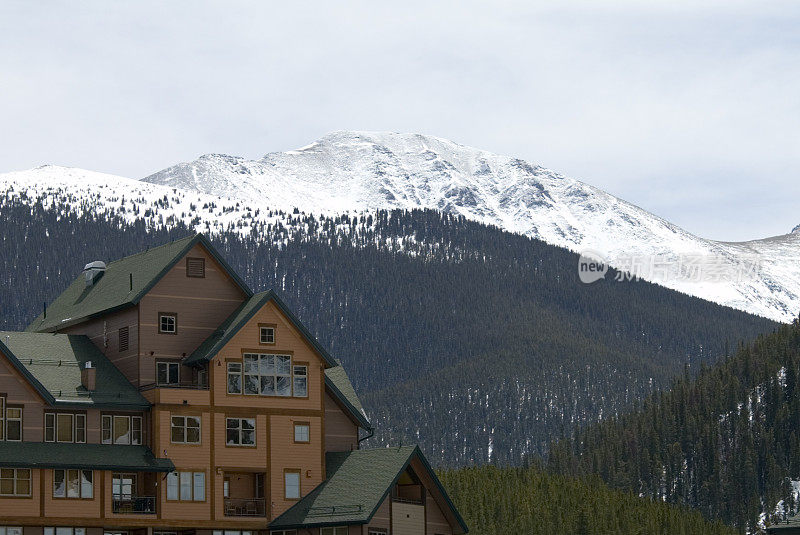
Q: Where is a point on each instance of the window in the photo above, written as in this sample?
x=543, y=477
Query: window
x=72, y=484
x=283, y=532
x=124, y=339
x=186, y=486
x=241, y=432
x=13, y=424
x=338, y=530
x=376, y=531
x=2, y=420
x=167, y=373
x=196, y=267
x=291, y=484
x=15, y=482
x=185, y=430
x=63, y=531
x=123, y=487
x=267, y=334
x=64, y=427
x=168, y=323
x=267, y=375
x=234, y=378
x=300, y=384
x=237, y=532
x=8, y=530
x=121, y=429
x=302, y=432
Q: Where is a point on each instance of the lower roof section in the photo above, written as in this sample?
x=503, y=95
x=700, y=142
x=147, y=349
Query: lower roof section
x=81, y=456
x=357, y=483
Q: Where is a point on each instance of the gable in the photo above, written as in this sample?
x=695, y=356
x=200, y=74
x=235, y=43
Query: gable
x=16, y=387
x=123, y=283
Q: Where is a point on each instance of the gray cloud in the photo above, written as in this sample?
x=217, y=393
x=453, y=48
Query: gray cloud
x=690, y=112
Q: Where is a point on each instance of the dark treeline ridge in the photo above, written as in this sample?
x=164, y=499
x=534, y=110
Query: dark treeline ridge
x=498, y=501
x=478, y=344
x=726, y=442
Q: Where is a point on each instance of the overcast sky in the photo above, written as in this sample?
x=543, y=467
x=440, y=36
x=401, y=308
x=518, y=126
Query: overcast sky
x=692, y=113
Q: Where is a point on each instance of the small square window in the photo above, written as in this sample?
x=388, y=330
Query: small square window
x=302, y=432
x=267, y=335
x=168, y=323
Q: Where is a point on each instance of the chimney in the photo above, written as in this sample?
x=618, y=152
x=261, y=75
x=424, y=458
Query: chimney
x=89, y=376
x=93, y=271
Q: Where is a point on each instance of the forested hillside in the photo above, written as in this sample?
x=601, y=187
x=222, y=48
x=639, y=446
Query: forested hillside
x=478, y=344
x=498, y=501
x=727, y=442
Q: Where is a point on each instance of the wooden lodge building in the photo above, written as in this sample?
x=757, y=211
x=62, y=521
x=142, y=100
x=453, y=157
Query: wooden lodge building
x=160, y=395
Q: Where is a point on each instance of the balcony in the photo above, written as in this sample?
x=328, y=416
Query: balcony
x=134, y=505
x=178, y=393
x=245, y=507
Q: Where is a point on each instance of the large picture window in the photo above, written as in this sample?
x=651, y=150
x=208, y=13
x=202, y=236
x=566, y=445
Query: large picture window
x=15, y=482
x=240, y=432
x=72, y=484
x=120, y=429
x=185, y=430
x=64, y=427
x=267, y=375
x=186, y=486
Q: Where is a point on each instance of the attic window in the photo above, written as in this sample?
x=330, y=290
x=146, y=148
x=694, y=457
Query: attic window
x=196, y=268
x=168, y=323
x=267, y=335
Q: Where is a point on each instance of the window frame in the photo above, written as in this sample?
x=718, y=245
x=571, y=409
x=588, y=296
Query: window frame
x=298, y=473
x=174, y=316
x=334, y=530
x=81, y=474
x=77, y=425
x=54, y=530
x=174, y=481
x=121, y=496
x=2, y=417
x=295, y=377
x=185, y=427
x=240, y=432
x=262, y=330
x=169, y=364
x=8, y=419
x=15, y=480
x=230, y=373
x=256, y=370
x=132, y=429
x=307, y=425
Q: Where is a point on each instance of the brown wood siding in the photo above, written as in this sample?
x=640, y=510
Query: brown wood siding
x=382, y=518
x=341, y=434
x=286, y=454
x=438, y=513
x=201, y=305
x=76, y=508
x=104, y=333
x=407, y=519
x=23, y=507
x=18, y=391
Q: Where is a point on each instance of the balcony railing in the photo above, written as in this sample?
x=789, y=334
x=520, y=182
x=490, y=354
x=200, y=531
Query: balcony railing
x=135, y=505
x=245, y=507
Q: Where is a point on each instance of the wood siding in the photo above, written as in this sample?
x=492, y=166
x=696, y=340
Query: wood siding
x=341, y=434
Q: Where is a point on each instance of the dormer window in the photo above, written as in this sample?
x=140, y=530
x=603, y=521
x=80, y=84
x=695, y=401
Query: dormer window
x=168, y=323
x=267, y=334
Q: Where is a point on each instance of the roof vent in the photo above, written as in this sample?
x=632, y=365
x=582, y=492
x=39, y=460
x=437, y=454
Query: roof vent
x=93, y=271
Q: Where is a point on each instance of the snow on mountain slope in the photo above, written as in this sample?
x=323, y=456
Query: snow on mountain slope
x=369, y=170
x=360, y=171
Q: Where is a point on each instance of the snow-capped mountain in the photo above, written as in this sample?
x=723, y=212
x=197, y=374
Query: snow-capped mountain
x=363, y=171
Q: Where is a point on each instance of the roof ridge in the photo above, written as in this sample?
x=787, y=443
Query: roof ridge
x=151, y=249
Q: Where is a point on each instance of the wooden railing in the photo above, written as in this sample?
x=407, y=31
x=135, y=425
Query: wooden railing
x=136, y=505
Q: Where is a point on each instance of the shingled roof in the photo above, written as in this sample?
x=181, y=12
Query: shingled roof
x=123, y=284
x=338, y=383
x=356, y=484
x=82, y=456
x=52, y=363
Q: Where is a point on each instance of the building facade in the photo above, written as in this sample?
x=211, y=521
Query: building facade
x=159, y=394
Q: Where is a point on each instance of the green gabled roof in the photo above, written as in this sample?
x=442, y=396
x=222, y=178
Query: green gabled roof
x=81, y=456
x=239, y=318
x=52, y=363
x=342, y=389
x=113, y=291
x=356, y=484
